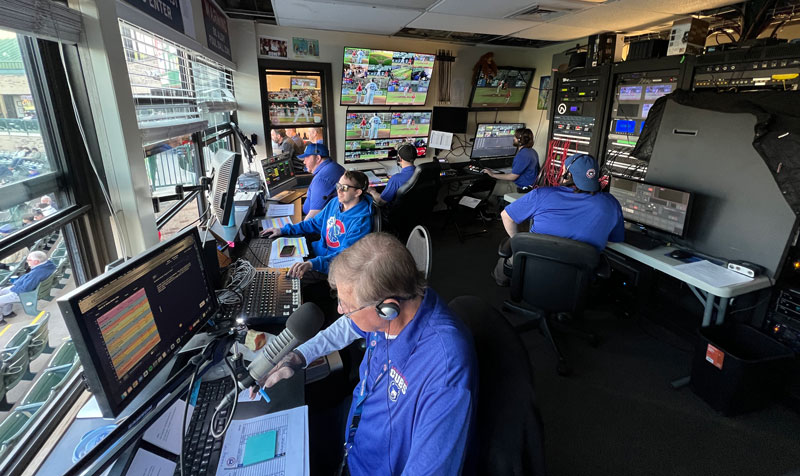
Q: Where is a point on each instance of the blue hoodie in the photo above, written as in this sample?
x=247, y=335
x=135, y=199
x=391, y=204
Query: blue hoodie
x=31, y=279
x=337, y=230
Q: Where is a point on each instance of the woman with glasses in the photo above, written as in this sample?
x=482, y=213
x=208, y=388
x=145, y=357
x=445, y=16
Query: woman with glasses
x=344, y=220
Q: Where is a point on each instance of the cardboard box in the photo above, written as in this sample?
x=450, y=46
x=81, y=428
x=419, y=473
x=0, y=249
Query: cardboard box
x=688, y=36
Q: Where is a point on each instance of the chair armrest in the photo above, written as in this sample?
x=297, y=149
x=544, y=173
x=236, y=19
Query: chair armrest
x=504, y=250
x=603, y=267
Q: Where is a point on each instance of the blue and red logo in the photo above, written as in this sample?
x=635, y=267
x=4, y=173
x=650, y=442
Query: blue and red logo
x=334, y=229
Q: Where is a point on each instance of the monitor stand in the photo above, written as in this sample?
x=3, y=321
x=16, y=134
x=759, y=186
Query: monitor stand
x=641, y=240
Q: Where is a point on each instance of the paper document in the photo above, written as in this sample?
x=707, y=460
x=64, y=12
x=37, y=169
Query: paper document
x=470, y=202
x=290, y=429
x=165, y=431
x=280, y=210
x=712, y=274
x=441, y=140
x=371, y=176
x=244, y=396
x=146, y=463
x=278, y=262
x=277, y=222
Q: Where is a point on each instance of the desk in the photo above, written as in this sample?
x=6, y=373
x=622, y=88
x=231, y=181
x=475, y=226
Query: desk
x=706, y=293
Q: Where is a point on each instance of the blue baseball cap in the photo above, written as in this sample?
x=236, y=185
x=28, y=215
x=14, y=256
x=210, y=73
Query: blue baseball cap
x=584, y=171
x=315, y=149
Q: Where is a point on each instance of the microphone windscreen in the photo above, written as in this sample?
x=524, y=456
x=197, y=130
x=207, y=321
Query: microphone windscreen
x=305, y=322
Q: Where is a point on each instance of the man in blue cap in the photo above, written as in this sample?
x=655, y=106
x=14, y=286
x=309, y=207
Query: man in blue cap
x=574, y=210
x=326, y=174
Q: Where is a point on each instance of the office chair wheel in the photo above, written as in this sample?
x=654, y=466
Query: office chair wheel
x=563, y=369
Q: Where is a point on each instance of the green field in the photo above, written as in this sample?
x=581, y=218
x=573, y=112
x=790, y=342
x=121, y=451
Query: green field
x=410, y=131
x=356, y=133
x=351, y=99
x=381, y=58
x=487, y=97
x=423, y=64
x=405, y=98
x=348, y=55
x=403, y=74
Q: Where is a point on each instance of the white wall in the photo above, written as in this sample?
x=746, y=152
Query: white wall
x=244, y=36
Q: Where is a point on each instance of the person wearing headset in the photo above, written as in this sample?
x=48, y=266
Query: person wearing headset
x=525, y=167
x=346, y=218
x=413, y=409
x=406, y=155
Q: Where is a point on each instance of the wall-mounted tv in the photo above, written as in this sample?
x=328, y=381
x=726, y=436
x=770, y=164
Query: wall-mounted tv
x=369, y=135
x=507, y=90
x=385, y=77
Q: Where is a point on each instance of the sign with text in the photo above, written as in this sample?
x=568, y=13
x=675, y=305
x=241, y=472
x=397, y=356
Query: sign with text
x=167, y=12
x=216, y=29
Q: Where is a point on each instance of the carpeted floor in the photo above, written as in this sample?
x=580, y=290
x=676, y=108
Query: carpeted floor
x=617, y=414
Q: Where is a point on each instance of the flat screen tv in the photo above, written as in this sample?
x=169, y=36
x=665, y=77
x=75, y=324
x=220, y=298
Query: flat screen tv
x=370, y=135
x=385, y=77
x=507, y=90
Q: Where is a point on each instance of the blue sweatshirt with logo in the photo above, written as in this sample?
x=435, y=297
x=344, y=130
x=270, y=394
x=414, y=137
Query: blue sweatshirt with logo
x=31, y=279
x=337, y=230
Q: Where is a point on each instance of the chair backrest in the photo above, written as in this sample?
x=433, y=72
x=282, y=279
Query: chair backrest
x=15, y=424
x=551, y=273
x=509, y=426
x=415, y=199
x=17, y=362
x=419, y=244
x=46, y=285
x=39, y=336
x=65, y=354
x=48, y=381
x=377, y=218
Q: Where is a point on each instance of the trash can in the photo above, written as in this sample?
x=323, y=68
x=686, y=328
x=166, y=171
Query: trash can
x=737, y=369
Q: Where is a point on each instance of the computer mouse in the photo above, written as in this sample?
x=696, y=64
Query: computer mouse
x=679, y=254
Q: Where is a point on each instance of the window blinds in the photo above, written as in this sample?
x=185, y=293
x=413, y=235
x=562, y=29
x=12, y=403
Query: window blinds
x=41, y=18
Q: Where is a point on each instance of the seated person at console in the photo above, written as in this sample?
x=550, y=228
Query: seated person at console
x=326, y=173
x=416, y=417
x=525, y=167
x=344, y=220
x=406, y=155
x=574, y=210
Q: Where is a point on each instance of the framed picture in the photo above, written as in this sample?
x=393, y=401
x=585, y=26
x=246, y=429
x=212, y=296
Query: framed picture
x=305, y=47
x=544, y=93
x=272, y=47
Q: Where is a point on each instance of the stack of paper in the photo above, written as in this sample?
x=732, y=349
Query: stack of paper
x=277, y=222
x=280, y=210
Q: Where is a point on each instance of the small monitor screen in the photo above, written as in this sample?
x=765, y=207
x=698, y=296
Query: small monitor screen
x=646, y=108
x=450, y=119
x=624, y=127
x=128, y=322
x=651, y=206
x=508, y=89
x=657, y=90
x=495, y=140
x=385, y=77
x=630, y=93
x=276, y=172
x=369, y=136
x=303, y=83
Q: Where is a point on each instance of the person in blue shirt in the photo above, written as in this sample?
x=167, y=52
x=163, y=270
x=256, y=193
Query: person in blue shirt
x=341, y=223
x=406, y=155
x=573, y=210
x=525, y=167
x=323, y=185
x=41, y=269
x=413, y=410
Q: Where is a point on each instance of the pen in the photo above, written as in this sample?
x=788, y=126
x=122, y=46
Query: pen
x=264, y=394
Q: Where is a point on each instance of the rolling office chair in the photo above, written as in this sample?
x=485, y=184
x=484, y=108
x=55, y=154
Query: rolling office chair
x=480, y=189
x=414, y=202
x=509, y=425
x=550, y=278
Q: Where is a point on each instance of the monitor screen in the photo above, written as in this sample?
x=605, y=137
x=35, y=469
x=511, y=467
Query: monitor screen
x=450, y=119
x=651, y=206
x=224, y=186
x=630, y=93
x=656, y=91
x=494, y=140
x=506, y=90
x=384, y=77
x=624, y=126
x=370, y=135
x=127, y=323
x=276, y=172
x=303, y=83
x=646, y=108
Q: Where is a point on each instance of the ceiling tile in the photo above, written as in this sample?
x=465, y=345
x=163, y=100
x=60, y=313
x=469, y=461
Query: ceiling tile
x=406, y=4
x=438, y=21
x=684, y=7
x=613, y=17
x=553, y=32
x=481, y=8
x=339, y=16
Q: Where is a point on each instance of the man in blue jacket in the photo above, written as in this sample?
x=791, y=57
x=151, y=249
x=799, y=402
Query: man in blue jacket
x=326, y=173
x=41, y=269
x=341, y=223
x=413, y=410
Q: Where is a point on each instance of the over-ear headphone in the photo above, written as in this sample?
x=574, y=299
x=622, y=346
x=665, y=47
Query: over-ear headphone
x=387, y=310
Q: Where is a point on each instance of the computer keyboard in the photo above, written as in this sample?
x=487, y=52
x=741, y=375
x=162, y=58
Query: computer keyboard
x=641, y=241
x=472, y=169
x=258, y=251
x=201, y=451
x=270, y=298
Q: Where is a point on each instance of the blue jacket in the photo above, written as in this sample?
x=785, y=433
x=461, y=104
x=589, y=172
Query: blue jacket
x=31, y=279
x=337, y=230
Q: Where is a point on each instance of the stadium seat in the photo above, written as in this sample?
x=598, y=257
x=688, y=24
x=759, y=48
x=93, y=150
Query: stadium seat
x=39, y=336
x=48, y=383
x=64, y=355
x=30, y=299
x=15, y=424
x=16, y=358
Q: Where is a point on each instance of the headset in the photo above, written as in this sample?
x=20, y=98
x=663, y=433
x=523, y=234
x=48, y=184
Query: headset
x=387, y=311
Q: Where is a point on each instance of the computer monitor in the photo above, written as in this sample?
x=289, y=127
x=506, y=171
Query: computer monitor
x=651, y=206
x=127, y=323
x=495, y=140
x=450, y=119
x=225, y=187
x=277, y=172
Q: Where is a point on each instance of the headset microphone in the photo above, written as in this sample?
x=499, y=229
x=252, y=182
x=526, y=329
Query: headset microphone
x=302, y=325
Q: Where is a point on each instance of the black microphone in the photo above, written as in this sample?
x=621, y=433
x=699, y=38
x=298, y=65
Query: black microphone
x=303, y=324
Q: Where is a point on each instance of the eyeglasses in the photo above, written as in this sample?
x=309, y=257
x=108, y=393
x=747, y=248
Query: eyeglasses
x=335, y=295
x=344, y=187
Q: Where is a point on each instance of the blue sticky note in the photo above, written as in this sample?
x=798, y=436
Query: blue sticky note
x=260, y=447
